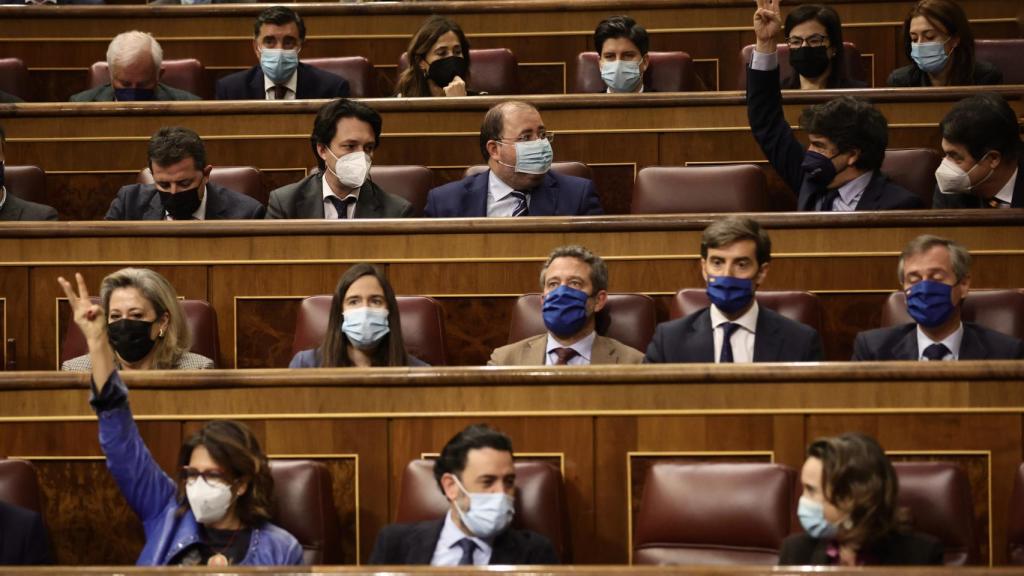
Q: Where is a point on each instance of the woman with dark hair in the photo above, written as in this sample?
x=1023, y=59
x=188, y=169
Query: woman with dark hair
x=848, y=510
x=938, y=39
x=364, y=328
x=218, y=512
x=438, y=61
x=815, y=38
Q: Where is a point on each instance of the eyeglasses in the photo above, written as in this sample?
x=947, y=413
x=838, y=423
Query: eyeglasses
x=189, y=475
x=549, y=136
x=813, y=41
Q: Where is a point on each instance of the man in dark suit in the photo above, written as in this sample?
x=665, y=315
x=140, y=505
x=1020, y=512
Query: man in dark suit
x=13, y=208
x=345, y=134
x=134, y=60
x=840, y=171
x=23, y=539
x=735, y=255
x=279, y=34
x=476, y=474
x=984, y=163
x=182, y=189
x=936, y=274
x=518, y=181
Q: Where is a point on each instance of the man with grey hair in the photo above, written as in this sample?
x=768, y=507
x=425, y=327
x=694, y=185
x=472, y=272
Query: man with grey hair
x=935, y=274
x=134, y=60
x=519, y=181
x=574, y=282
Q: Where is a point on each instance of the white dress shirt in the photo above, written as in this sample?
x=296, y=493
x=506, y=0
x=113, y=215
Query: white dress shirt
x=500, y=201
x=448, y=552
x=330, y=212
x=3, y=196
x=200, y=213
x=952, y=342
x=742, y=340
x=291, y=85
x=583, y=347
x=1006, y=193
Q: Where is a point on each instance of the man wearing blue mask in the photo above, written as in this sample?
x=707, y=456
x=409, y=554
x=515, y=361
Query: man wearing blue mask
x=735, y=256
x=621, y=46
x=278, y=36
x=575, y=288
x=476, y=474
x=519, y=180
x=134, y=60
x=935, y=274
x=841, y=169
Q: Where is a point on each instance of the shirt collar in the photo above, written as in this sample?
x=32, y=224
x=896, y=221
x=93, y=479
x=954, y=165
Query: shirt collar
x=584, y=346
x=200, y=213
x=748, y=320
x=1006, y=194
x=952, y=341
x=328, y=192
x=496, y=187
x=292, y=83
x=452, y=534
x=854, y=189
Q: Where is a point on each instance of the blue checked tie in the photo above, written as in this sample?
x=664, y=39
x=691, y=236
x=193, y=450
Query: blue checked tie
x=521, y=209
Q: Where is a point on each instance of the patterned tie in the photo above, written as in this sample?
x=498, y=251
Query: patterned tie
x=829, y=200
x=341, y=205
x=521, y=209
x=935, y=352
x=564, y=355
x=280, y=92
x=727, y=331
x=468, y=546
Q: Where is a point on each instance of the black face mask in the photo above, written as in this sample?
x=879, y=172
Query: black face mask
x=443, y=71
x=131, y=338
x=809, y=62
x=181, y=205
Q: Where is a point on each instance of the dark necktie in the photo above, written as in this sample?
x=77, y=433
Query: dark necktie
x=829, y=200
x=341, y=205
x=564, y=355
x=468, y=546
x=936, y=352
x=521, y=209
x=280, y=91
x=727, y=331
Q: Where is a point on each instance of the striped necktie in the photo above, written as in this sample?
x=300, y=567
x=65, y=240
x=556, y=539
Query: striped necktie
x=521, y=209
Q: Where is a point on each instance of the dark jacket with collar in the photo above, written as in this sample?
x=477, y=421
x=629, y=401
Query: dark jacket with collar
x=691, y=339
x=940, y=200
x=15, y=209
x=400, y=544
x=313, y=83
x=105, y=93
x=911, y=76
x=23, y=539
x=786, y=154
x=900, y=343
x=896, y=549
x=557, y=195
x=305, y=199
x=142, y=202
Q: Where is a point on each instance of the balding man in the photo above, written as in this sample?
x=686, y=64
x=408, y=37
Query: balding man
x=134, y=59
x=518, y=182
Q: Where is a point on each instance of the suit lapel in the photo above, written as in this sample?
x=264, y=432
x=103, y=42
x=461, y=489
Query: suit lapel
x=302, y=83
x=155, y=209
x=603, y=352
x=872, y=196
x=534, y=351
x=906, y=348
x=767, y=343
x=971, y=347
x=12, y=208
x=699, y=344
x=474, y=204
x=215, y=207
x=544, y=198
x=505, y=549
x=256, y=89
x=421, y=551
x=368, y=205
x=310, y=201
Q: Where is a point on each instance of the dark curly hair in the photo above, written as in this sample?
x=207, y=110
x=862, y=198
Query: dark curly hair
x=850, y=124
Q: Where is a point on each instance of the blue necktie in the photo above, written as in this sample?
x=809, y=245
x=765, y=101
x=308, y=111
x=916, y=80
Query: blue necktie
x=727, y=331
x=341, y=205
x=936, y=352
x=521, y=209
x=468, y=546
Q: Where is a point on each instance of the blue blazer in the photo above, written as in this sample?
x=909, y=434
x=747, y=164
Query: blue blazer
x=557, y=195
x=900, y=343
x=313, y=83
x=142, y=202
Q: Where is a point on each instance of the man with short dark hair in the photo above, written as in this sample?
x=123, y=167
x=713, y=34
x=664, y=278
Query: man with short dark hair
x=621, y=46
x=278, y=37
x=181, y=188
x=475, y=472
x=345, y=135
x=984, y=163
x=135, y=64
x=735, y=254
x=841, y=170
x=13, y=208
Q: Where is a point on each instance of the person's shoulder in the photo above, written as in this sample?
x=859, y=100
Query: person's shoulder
x=885, y=336
x=533, y=545
x=627, y=354
x=234, y=197
x=239, y=77
x=502, y=355
x=289, y=189
x=8, y=98
x=392, y=202
x=321, y=75
x=987, y=73
x=790, y=324
x=193, y=361
x=570, y=181
x=14, y=515
x=462, y=184
x=904, y=77
x=995, y=340
x=77, y=364
x=895, y=196
x=910, y=547
x=797, y=549
x=32, y=210
x=282, y=543
x=171, y=93
x=308, y=358
x=93, y=94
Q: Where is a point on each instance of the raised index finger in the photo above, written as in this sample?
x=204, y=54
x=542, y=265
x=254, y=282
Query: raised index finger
x=83, y=291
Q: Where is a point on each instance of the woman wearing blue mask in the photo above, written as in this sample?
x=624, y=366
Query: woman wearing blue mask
x=848, y=510
x=364, y=328
x=937, y=38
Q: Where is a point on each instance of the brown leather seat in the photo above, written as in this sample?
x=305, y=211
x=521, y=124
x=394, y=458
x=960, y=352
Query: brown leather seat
x=410, y=182
x=540, y=501
x=914, y=169
x=668, y=72
x=187, y=74
x=628, y=318
x=577, y=169
x=242, y=179
x=939, y=498
x=689, y=189
x=202, y=320
x=362, y=78
x=1005, y=54
x=999, y=310
x=1015, y=532
x=19, y=485
x=14, y=78
x=491, y=70
x=422, y=326
x=803, y=307
x=722, y=513
x=851, y=58
x=304, y=506
x=26, y=182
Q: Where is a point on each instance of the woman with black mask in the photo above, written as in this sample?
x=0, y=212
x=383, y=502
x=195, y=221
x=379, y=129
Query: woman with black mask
x=438, y=61
x=815, y=38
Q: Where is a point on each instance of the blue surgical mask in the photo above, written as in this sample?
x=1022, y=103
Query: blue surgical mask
x=812, y=518
x=532, y=156
x=489, y=513
x=621, y=75
x=278, y=65
x=134, y=94
x=365, y=327
x=930, y=303
x=730, y=294
x=818, y=168
x=930, y=57
x=565, y=310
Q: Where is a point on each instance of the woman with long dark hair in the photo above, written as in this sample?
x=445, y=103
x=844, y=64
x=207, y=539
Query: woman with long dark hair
x=438, y=61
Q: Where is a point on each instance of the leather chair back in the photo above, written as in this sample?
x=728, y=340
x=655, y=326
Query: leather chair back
x=422, y=326
x=1005, y=54
x=851, y=58
x=999, y=310
x=668, y=72
x=201, y=317
x=628, y=318
x=1015, y=532
x=914, y=169
x=26, y=182
x=491, y=70
x=578, y=169
x=304, y=506
x=803, y=307
x=540, y=501
x=19, y=485
x=14, y=78
x=410, y=182
x=362, y=79
x=187, y=74
x=722, y=513
x=939, y=498
x=690, y=189
x=242, y=179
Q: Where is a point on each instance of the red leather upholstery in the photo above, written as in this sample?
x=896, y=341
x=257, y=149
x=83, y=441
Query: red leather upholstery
x=491, y=70
x=422, y=326
x=999, y=310
x=803, y=307
x=914, y=169
x=14, y=78
x=578, y=169
x=409, y=182
x=202, y=320
x=362, y=79
x=187, y=74
x=628, y=318
x=242, y=179
x=939, y=498
x=1015, y=532
x=540, y=501
x=304, y=506
x=723, y=513
x=678, y=189
x=19, y=485
x=851, y=58
x=26, y=182
x=1005, y=54
x=668, y=72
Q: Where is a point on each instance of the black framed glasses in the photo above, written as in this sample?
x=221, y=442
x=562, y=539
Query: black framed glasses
x=813, y=41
